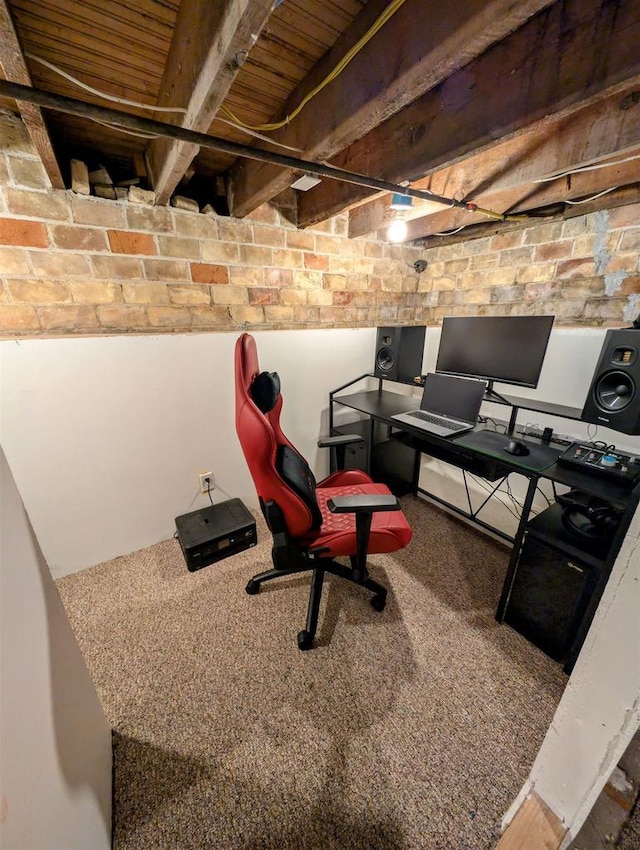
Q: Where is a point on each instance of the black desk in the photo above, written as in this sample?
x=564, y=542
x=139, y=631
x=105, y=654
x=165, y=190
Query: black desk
x=481, y=452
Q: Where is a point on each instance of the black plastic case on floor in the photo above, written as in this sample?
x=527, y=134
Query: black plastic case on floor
x=214, y=533
x=554, y=580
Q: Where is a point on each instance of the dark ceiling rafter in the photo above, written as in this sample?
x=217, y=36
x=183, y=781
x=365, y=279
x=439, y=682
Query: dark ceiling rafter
x=210, y=43
x=15, y=70
x=471, y=105
x=509, y=175
x=378, y=81
x=537, y=197
x=560, y=61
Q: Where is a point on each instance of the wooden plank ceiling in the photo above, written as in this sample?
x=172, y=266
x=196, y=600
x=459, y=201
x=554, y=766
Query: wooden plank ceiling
x=498, y=103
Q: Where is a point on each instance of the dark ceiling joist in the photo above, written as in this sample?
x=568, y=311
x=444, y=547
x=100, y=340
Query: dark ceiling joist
x=210, y=42
x=520, y=199
x=607, y=129
x=620, y=197
x=408, y=57
x=563, y=59
x=15, y=70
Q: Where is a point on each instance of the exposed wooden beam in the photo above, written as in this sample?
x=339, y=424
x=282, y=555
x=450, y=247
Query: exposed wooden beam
x=618, y=198
x=520, y=199
x=15, y=70
x=605, y=130
x=563, y=59
x=414, y=51
x=209, y=45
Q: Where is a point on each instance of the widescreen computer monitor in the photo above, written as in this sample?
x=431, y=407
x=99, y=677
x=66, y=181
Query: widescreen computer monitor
x=508, y=349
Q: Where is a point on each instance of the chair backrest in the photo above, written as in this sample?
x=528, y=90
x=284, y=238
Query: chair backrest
x=279, y=472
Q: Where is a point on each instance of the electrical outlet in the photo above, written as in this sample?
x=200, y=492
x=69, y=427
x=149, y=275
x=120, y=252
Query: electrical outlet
x=206, y=481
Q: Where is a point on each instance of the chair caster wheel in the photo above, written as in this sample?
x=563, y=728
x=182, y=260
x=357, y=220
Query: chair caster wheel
x=379, y=601
x=252, y=587
x=305, y=641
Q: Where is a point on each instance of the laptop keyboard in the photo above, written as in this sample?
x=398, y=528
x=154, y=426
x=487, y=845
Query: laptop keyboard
x=434, y=420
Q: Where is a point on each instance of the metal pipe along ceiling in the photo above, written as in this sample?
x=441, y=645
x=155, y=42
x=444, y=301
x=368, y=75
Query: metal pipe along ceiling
x=71, y=106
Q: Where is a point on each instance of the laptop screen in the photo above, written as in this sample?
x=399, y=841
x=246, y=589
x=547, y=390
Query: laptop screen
x=458, y=398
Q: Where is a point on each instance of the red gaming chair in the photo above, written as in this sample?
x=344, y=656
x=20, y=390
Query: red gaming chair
x=347, y=514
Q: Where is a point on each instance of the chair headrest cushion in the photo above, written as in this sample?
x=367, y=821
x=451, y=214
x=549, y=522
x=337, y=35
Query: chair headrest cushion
x=265, y=390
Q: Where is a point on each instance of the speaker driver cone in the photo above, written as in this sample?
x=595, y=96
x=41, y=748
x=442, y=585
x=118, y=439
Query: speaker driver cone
x=385, y=359
x=615, y=391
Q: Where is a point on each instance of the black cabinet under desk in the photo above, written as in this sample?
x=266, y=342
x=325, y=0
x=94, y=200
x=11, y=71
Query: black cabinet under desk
x=555, y=576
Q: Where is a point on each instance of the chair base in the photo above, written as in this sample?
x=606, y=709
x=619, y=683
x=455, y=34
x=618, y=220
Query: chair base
x=360, y=577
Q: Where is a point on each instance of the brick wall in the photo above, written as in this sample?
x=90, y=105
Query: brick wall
x=75, y=264
x=584, y=270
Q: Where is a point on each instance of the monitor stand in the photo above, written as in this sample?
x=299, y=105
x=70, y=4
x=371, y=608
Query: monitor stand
x=491, y=395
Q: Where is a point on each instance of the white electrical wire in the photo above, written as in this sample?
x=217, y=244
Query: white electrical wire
x=123, y=130
x=259, y=135
x=135, y=103
x=451, y=232
x=593, y=197
x=579, y=170
x=98, y=93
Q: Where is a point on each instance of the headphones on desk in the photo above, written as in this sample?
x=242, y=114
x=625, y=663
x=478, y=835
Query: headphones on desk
x=588, y=517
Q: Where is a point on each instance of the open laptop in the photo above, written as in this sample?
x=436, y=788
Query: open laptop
x=449, y=406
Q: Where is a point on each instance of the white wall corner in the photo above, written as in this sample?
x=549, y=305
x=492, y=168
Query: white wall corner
x=55, y=739
x=599, y=712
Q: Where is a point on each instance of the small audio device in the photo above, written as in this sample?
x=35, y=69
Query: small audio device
x=214, y=533
x=607, y=463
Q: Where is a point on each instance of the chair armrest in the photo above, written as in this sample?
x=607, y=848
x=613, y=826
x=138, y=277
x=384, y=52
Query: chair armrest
x=338, y=445
x=339, y=440
x=364, y=508
x=362, y=504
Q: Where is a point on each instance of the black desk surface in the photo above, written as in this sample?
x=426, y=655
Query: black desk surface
x=544, y=407
x=541, y=459
x=382, y=405
x=493, y=444
x=615, y=492
x=366, y=398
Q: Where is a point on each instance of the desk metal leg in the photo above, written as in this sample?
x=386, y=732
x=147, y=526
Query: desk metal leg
x=474, y=514
x=417, y=463
x=517, y=544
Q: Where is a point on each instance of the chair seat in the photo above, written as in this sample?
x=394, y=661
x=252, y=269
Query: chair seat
x=390, y=530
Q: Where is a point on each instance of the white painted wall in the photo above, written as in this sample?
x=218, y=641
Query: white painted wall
x=55, y=743
x=599, y=712
x=106, y=436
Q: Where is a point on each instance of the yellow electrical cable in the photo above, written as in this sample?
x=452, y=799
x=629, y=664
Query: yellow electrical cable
x=342, y=64
x=496, y=215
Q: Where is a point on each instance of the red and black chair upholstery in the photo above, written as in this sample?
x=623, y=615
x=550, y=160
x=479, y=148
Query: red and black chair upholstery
x=346, y=514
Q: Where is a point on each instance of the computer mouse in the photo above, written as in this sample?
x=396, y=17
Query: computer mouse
x=516, y=447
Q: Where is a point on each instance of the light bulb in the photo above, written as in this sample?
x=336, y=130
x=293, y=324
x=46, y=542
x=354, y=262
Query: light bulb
x=397, y=231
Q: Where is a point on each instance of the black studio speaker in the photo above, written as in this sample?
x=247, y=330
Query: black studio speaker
x=399, y=353
x=613, y=399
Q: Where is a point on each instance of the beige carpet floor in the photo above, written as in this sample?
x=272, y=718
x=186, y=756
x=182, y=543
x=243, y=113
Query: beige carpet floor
x=411, y=728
